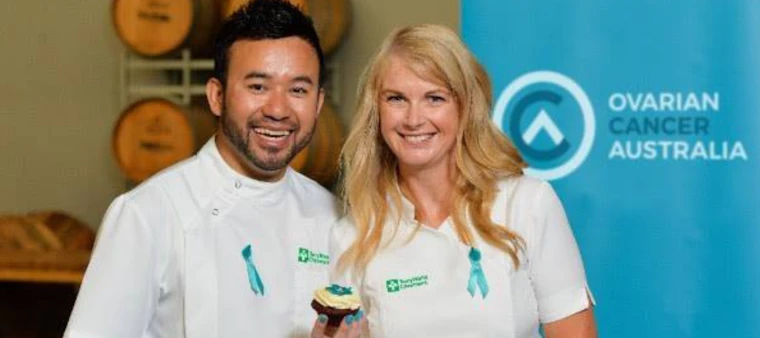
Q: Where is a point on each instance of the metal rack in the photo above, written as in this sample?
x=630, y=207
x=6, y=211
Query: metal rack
x=183, y=91
x=180, y=93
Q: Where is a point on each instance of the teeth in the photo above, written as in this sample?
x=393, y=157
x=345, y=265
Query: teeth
x=418, y=138
x=272, y=133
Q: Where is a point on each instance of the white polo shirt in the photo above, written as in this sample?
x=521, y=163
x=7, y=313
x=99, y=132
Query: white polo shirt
x=418, y=287
x=168, y=260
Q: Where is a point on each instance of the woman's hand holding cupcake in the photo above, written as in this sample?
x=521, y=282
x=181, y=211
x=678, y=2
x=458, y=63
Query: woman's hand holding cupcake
x=339, y=312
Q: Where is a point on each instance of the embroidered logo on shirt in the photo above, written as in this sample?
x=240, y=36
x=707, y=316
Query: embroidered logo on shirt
x=396, y=285
x=307, y=256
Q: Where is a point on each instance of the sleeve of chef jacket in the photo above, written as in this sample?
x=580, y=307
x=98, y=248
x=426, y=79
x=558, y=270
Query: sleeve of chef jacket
x=120, y=290
x=556, y=268
x=342, y=236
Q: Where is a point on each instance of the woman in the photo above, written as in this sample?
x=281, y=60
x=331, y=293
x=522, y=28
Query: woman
x=444, y=235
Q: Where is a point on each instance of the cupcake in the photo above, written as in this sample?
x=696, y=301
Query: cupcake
x=335, y=302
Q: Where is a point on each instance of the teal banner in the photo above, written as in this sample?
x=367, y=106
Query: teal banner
x=645, y=117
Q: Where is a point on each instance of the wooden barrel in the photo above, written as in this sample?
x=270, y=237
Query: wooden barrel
x=203, y=121
x=331, y=18
x=151, y=135
x=319, y=160
x=230, y=6
x=159, y=27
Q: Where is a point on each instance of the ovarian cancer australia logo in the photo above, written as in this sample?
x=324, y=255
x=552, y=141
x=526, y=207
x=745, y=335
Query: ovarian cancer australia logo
x=551, y=121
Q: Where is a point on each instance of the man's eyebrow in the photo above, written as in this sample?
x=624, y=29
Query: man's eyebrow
x=257, y=75
x=303, y=78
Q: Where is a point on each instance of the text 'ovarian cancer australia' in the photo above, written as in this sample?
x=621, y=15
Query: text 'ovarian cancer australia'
x=668, y=126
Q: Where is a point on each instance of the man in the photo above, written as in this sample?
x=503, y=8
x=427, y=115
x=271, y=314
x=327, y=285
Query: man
x=231, y=242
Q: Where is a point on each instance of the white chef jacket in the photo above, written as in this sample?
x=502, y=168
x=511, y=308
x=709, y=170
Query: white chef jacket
x=418, y=287
x=168, y=260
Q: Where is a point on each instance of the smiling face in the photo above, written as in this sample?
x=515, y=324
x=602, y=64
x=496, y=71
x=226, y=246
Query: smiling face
x=269, y=105
x=419, y=119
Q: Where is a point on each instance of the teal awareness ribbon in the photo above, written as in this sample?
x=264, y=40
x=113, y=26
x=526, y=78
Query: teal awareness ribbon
x=477, y=277
x=253, y=275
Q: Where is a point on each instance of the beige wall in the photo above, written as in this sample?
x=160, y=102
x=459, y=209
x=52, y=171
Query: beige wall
x=372, y=21
x=59, y=95
x=58, y=101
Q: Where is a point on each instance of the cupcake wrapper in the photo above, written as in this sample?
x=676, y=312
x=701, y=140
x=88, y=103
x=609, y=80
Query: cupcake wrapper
x=334, y=316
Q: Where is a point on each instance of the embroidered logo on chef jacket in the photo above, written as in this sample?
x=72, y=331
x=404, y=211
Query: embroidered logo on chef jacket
x=307, y=256
x=396, y=285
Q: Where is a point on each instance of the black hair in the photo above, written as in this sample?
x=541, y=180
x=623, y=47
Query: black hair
x=260, y=20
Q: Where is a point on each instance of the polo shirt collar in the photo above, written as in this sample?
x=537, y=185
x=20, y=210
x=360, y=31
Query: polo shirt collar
x=221, y=174
x=408, y=218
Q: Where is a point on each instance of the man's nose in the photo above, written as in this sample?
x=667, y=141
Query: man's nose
x=276, y=107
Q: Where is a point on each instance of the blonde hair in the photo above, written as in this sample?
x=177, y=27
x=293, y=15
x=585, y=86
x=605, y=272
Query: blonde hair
x=482, y=153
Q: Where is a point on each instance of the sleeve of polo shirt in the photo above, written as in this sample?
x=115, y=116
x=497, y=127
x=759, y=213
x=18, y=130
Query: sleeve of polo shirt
x=119, y=292
x=556, y=268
